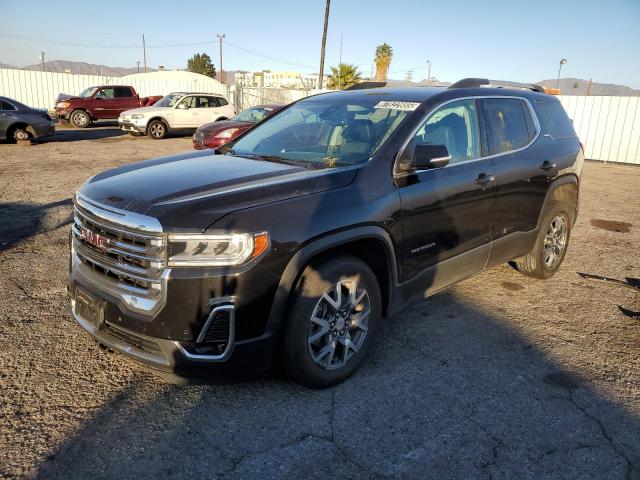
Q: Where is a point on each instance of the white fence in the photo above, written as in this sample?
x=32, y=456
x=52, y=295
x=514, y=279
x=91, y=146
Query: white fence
x=609, y=127
x=40, y=89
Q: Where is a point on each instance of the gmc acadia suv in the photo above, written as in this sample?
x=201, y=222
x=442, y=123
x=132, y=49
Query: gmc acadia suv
x=301, y=234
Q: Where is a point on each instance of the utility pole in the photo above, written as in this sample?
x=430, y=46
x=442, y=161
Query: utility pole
x=428, y=72
x=144, y=52
x=138, y=64
x=220, y=37
x=340, y=65
x=42, y=58
x=589, y=87
x=409, y=77
x=324, y=43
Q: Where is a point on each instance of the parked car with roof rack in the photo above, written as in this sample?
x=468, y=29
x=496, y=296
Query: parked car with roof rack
x=216, y=134
x=176, y=112
x=297, y=237
x=104, y=102
x=19, y=122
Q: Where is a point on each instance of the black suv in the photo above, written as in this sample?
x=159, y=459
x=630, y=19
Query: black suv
x=300, y=235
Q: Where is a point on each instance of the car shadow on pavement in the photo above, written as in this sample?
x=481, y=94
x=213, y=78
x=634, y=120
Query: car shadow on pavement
x=63, y=135
x=20, y=221
x=448, y=391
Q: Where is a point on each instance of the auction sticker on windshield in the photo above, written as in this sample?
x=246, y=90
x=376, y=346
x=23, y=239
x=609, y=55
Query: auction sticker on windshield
x=406, y=106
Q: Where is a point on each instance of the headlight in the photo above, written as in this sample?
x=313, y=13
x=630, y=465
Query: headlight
x=228, y=133
x=137, y=116
x=63, y=104
x=216, y=250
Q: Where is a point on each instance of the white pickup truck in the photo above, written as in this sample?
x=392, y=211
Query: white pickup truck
x=179, y=111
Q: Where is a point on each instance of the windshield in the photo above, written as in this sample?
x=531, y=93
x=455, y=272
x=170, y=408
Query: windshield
x=253, y=115
x=168, y=101
x=88, y=92
x=324, y=131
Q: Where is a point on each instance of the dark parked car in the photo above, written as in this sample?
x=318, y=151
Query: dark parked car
x=216, y=134
x=300, y=235
x=20, y=122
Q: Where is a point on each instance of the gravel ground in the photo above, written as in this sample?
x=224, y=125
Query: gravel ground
x=499, y=377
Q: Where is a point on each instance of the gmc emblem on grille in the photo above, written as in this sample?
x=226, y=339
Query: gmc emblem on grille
x=94, y=239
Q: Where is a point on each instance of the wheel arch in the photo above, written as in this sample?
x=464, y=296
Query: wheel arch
x=371, y=244
x=565, y=190
x=162, y=119
x=24, y=125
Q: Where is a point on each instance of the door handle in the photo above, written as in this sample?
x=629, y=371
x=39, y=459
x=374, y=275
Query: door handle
x=484, y=179
x=547, y=166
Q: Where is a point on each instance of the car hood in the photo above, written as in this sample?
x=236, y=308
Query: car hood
x=223, y=125
x=191, y=191
x=149, y=109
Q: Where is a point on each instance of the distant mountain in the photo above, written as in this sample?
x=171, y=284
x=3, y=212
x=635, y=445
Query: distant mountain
x=576, y=86
x=79, y=68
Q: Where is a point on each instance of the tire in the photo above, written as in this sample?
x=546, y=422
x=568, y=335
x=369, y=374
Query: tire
x=20, y=134
x=157, y=130
x=80, y=119
x=548, y=253
x=340, y=337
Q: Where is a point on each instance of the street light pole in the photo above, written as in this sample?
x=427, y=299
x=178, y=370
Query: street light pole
x=428, y=72
x=220, y=37
x=562, y=62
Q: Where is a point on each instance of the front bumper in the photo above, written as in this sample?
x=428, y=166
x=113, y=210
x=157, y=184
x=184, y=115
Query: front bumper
x=241, y=357
x=62, y=114
x=128, y=126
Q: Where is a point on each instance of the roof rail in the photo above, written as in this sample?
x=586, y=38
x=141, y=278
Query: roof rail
x=485, y=82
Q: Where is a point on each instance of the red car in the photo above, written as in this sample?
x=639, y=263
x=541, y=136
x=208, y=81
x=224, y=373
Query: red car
x=216, y=134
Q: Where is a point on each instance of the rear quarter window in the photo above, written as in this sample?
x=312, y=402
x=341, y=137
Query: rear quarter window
x=556, y=120
x=506, y=124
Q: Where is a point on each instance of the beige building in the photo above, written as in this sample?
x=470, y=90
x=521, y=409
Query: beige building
x=281, y=79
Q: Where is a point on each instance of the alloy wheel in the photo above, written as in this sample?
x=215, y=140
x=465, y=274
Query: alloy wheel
x=80, y=119
x=157, y=130
x=339, y=324
x=555, y=241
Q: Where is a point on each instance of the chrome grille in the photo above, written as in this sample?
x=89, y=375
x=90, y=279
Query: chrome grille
x=130, y=260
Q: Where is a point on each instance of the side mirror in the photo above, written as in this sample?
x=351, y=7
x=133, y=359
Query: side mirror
x=426, y=155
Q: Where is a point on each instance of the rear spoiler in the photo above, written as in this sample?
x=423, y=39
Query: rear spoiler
x=485, y=82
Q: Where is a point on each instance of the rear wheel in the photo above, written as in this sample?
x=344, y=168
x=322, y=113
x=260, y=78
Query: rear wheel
x=21, y=134
x=544, y=260
x=80, y=119
x=332, y=319
x=157, y=130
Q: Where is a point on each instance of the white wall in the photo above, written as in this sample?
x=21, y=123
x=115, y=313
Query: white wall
x=609, y=127
x=40, y=89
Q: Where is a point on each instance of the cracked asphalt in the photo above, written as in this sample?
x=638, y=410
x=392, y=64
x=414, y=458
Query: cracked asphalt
x=500, y=376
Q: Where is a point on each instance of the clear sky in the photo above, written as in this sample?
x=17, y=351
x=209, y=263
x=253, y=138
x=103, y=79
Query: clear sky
x=510, y=40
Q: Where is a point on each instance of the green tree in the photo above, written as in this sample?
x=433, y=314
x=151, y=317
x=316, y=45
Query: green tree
x=201, y=63
x=384, y=54
x=343, y=76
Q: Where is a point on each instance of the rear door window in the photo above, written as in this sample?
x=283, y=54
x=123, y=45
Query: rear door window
x=506, y=123
x=123, y=92
x=555, y=118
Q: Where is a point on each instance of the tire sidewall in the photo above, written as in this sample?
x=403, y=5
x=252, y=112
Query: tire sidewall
x=315, y=280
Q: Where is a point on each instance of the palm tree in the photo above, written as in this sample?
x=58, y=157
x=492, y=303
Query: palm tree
x=384, y=54
x=343, y=76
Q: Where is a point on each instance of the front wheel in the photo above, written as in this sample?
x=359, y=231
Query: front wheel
x=157, y=130
x=80, y=119
x=332, y=319
x=544, y=260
